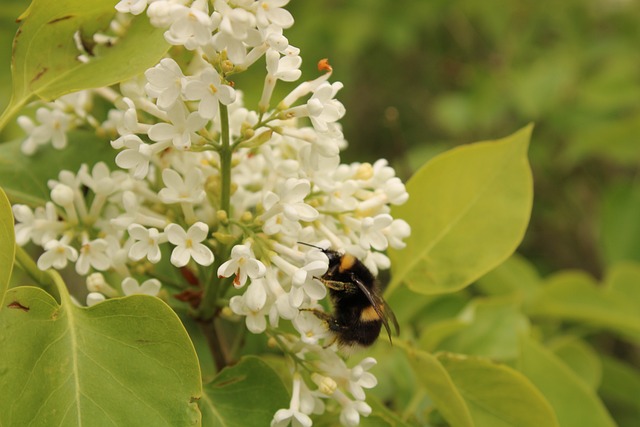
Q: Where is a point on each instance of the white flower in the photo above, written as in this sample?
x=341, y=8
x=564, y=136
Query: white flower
x=372, y=233
x=243, y=264
x=164, y=82
x=283, y=212
x=145, y=244
x=93, y=254
x=292, y=415
x=311, y=328
x=188, y=244
x=252, y=305
x=190, y=28
x=360, y=378
x=207, y=88
x=236, y=22
x=53, y=127
x=135, y=157
x=178, y=190
x=100, y=180
x=56, y=255
x=396, y=232
x=305, y=280
x=271, y=12
x=94, y=298
x=150, y=287
x=160, y=12
x=286, y=68
x=97, y=283
x=134, y=7
x=351, y=411
x=40, y=225
x=323, y=108
x=182, y=130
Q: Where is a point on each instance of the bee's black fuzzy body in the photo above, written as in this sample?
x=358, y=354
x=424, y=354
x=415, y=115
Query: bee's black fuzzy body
x=359, y=312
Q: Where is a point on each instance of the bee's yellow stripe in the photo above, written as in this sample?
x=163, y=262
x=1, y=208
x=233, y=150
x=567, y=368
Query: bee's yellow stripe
x=346, y=262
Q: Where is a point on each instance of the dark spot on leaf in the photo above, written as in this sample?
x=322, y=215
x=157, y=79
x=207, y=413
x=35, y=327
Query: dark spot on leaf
x=54, y=315
x=40, y=73
x=62, y=18
x=19, y=306
x=193, y=399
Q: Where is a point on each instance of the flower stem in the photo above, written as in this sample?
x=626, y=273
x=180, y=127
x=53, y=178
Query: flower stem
x=27, y=264
x=225, y=160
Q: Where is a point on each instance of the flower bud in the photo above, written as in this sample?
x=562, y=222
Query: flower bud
x=62, y=195
x=326, y=385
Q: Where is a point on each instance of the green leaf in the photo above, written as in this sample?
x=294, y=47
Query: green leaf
x=580, y=358
x=619, y=225
x=441, y=388
x=516, y=275
x=45, y=60
x=497, y=395
x=244, y=395
x=620, y=389
x=381, y=416
x=125, y=361
x=623, y=280
x=574, y=402
x=574, y=296
x=7, y=245
x=492, y=328
x=468, y=210
x=25, y=177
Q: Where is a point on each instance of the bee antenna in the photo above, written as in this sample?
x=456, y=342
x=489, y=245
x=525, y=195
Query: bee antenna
x=312, y=246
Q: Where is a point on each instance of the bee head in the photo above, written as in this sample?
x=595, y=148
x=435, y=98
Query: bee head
x=334, y=256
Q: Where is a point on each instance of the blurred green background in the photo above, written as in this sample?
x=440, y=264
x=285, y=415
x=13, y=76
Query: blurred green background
x=423, y=76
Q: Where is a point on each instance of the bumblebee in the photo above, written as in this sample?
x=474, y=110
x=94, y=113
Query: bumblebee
x=359, y=312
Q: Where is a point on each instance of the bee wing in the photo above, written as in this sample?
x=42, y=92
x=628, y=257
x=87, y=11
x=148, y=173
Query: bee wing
x=380, y=306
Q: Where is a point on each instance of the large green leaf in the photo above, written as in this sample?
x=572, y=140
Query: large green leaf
x=45, y=55
x=619, y=226
x=125, y=361
x=620, y=389
x=575, y=296
x=24, y=178
x=574, y=402
x=491, y=329
x=441, y=388
x=623, y=280
x=580, y=358
x=244, y=395
x=7, y=244
x=381, y=416
x=516, y=275
x=471, y=391
x=468, y=210
x=497, y=395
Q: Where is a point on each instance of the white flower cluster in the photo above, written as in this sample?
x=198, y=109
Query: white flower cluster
x=223, y=186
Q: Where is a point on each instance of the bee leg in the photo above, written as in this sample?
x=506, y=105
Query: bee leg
x=331, y=321
x=339, y=286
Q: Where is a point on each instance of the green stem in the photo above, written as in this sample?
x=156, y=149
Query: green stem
x=225, y=160
x=28, y=265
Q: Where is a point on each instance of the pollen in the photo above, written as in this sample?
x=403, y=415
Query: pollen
x=364, y=172
x=323, y=65
x=213, y=88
